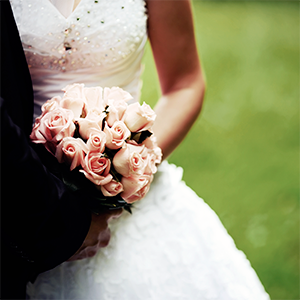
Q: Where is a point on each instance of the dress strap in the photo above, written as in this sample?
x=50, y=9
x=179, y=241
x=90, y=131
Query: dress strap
x=65, y=7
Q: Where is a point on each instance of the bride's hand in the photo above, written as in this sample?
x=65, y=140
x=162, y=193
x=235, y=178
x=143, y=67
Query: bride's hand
x=98, y=235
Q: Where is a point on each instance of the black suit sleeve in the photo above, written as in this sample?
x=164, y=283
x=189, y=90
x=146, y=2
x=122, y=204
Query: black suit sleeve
x=41, y=221
x=39, y=214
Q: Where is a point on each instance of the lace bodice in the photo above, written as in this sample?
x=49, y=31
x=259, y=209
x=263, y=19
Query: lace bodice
x=99, y=43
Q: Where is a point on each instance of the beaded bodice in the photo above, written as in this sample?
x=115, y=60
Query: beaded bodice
x=100, y=43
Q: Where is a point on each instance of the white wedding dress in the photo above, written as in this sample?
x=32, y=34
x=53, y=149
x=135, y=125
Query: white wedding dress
x=173, y=246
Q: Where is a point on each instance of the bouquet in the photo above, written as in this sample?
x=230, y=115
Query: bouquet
x=103, y=145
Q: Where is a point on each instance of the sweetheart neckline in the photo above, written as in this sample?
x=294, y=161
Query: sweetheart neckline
x=58, y=12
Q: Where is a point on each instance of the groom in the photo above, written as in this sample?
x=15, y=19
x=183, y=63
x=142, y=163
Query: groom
x=42, y=224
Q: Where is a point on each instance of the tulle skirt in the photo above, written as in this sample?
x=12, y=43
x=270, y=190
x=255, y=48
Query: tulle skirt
x=173, y=246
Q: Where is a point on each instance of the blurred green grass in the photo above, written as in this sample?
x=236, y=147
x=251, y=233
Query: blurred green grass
x=242, y=154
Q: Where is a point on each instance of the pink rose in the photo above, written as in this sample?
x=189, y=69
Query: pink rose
x=53, y=127
x=96, y=168
x=129, y=160
x=116, y=135
x=150, y=164
x=93, y=97
x=74, y=99
x=71, y=151
x=96, y=114
x=74, y=104
x=150, y=142
x=135, y=187
x=139, y=117
x=116, y=93
x=51, y=104
x=74, y=91
x=93, y=120
x=155, y=156
x=112, y=188
x=116, y=110
x=85, y=126
x=153, y=149
x=150, y=156
x=158, y=155
x=96, y=141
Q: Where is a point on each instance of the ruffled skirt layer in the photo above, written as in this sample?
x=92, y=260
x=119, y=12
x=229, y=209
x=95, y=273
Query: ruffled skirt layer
x=173, y=246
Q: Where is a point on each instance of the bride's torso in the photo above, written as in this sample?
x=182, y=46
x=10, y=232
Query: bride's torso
x=99, y=42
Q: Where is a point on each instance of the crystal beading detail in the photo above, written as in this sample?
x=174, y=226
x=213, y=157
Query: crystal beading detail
x=77, y=42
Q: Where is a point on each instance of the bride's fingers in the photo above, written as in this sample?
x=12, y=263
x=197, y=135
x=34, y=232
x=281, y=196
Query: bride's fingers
x=90, y=252
x=98, y=236
x=114, y=214
x=104, y=238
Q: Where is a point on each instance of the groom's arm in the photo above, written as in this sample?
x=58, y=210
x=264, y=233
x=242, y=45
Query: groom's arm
x=47, y=223
x=40, y=220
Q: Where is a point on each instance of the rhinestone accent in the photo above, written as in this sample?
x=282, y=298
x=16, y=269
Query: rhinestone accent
x=79, y=41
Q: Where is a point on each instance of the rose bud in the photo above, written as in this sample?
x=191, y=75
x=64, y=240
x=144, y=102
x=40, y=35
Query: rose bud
x=116, y=135
x=96, y=141
x=139, y=117
x=74, y=104
x=129, y=160
x=96, y=168
x=117, y=94
x=53, y=127
x=135, y=187
x=74, y=91
x=116, y=110
x=51, y=104
x=71, y=151
x=112, y=188
x=93, y=97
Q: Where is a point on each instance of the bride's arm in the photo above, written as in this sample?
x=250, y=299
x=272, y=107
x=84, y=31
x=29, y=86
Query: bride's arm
x=171, y=34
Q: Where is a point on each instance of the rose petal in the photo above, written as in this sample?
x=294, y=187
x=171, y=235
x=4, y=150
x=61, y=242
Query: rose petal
x=112, y=188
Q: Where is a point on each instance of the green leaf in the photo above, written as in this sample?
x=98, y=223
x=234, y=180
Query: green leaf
x=139, y=137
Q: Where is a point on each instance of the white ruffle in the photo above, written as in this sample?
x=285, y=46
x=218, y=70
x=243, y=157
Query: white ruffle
x=173, y=246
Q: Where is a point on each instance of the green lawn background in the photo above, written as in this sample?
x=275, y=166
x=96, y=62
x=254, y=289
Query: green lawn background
x=242, y=154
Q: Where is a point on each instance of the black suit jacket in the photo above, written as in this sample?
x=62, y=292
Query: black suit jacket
x=42, y=224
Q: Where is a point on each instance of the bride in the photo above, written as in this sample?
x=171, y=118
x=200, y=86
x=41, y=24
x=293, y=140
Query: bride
x=173, y=246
